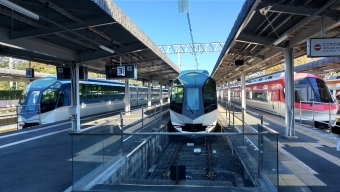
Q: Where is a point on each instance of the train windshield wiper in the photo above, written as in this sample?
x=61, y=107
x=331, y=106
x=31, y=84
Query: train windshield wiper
x=190, y=108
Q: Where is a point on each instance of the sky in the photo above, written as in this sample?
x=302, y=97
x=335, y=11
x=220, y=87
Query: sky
x=211, y=21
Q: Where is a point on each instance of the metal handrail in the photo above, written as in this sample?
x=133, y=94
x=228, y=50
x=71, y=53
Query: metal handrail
x=174, y=133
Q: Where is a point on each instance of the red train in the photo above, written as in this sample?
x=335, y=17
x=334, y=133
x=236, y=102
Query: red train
x=268, y=93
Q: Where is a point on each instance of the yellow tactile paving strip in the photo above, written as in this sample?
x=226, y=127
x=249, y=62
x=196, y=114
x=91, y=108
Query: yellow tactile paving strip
x=302, y=175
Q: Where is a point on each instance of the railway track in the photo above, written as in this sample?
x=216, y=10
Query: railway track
x=207, y=159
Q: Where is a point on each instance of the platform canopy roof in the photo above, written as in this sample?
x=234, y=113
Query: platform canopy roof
x=59, y=32
x=264, y=28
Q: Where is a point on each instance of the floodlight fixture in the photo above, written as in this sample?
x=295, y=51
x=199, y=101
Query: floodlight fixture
x=19, y=9
x=104, y=48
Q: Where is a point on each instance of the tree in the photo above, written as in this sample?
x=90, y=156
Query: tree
x=297, y=62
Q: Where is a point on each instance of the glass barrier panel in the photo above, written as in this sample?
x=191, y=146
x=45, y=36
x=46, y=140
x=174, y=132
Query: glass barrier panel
x=152, y=160
x=269, y=160
x=87, y=157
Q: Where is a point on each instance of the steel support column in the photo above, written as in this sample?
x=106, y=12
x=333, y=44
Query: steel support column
x=169, y=92
x=289, y=93
x=229, y=91
x=127, y=96
x=161, y=95
x=149, y=94
x=75, y=117
x=243, y=93
x=222, y=91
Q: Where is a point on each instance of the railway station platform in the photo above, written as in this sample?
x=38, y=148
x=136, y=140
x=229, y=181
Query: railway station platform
x=307, y=163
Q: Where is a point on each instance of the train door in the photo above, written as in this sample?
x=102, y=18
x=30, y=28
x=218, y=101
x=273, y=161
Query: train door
x=272, y=99
x=275, y=100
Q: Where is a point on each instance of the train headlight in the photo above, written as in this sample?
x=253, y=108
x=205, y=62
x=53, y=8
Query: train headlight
x=178, y=127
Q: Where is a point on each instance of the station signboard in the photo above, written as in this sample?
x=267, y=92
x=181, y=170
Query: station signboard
x=125, y=71
x=64, y=73
x=29, y=73
x=323, y=47
x=154, y=83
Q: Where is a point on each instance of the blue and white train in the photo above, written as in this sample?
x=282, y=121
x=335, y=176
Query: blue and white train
x=193, y=102
x=52, y=98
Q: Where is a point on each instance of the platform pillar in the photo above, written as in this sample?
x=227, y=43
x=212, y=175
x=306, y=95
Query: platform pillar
x=169, y=92
x=289, y=94
x=222, y=91
x=74, y=109
x=243, y=91
x=149, y=93
x=127, y=96
x=161, y=95
x=229, y=91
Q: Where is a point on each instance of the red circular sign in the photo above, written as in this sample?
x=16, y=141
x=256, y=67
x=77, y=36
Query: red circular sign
x=317, y=47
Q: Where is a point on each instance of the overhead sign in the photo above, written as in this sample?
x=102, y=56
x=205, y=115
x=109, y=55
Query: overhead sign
x=121, y=71
x=64, y=73
x=29, y=73
x=126, y=71
x=154, y=83
x=323, y=47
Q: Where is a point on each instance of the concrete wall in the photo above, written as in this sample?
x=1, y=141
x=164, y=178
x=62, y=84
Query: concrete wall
x=133, y=166
x=136, y=164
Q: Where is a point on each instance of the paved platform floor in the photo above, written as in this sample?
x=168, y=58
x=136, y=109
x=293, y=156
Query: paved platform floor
x=309, y=163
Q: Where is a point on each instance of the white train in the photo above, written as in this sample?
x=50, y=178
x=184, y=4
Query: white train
x=193, y=102
x=47, y=100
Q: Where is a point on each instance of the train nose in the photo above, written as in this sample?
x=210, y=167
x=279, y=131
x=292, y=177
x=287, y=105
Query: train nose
x=193, y=128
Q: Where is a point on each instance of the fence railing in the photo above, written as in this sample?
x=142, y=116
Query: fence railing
x=259, y=143
x=310, y=117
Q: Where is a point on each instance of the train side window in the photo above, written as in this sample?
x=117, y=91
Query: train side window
x=109, y=92
x=105, y=91
x=88, y=92
x=99, y=91
x=49, y=100
x=61, y=99
x=81, y=91
x=94, y=91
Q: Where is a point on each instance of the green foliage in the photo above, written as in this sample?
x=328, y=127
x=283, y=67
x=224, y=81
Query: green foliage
x=297, y=61
x=22, y=65
x=8, y=95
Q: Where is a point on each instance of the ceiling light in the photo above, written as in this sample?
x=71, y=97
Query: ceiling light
x=250, y=60
x=104, y=48
x=19, y=9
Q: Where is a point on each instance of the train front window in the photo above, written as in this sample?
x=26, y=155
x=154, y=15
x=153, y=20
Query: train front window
x=23, y=97
x=177, y=99
x=32, y=100
x=49, y=100
x=192, y=97
x=209, y=98
x=193, y=78
x=312, y=89
x=43, y=82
